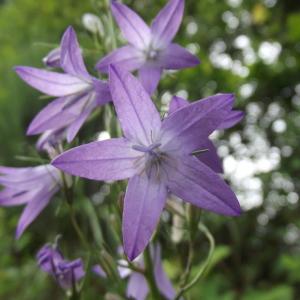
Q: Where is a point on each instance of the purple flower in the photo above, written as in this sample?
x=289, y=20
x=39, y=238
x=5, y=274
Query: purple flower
x=52, y=59
x=31, y=186
x=79, y=93
x=157, y=157
x=137, y=287
x=150, y=50
x=209, y=157
x=65, y=272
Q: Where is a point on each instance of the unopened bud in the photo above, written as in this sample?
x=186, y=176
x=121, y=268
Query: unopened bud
x=93, y=24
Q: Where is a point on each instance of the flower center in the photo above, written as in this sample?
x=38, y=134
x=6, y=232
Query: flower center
x=151, y=53
x=153, y=158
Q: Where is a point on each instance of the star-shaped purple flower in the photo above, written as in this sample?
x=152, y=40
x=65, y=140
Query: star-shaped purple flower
x=65, y=272
x=157, y=157
x=150, y=50
x=79, y=93
x=31, y=186
x=209, y=157
x=137, y=287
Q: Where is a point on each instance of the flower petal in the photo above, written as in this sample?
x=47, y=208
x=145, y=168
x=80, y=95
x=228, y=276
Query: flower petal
x=33, y=209
x=233, y=118
x=194, y=182
x=162, y=281
x=175, y=57
x=143, y=204
x=137, y=287
x=149, y=76
x=165, y=26
x=127, y=57
x=137, y=114
x=210, y=157
x=101, y=88
x=134, y=29
x=77, y=124
x=183, y=129
x=52, y=83
x=177, y=103
x=112, y=159
x=53, y=116
x=71, y=58
x=17, y=198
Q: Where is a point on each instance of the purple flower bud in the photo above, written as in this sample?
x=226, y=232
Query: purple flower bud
x=65, y=272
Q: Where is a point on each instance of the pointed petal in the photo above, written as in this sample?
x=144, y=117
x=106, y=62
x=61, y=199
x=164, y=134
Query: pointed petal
x=30, y=178
x=78, y=123
x=137, y=287
x=32, y=210
x=52, y=83
x=183, y=129
x=175, y=57
x=143, y=204
x=127, y=57
x=149, y=76
x=162, y=281
x=52, y=59
x=167, y=22
x=112, y=159
x=52, y=117
x=233, y=118
x=196, y=183
x=134, y=29
x=71, y=58
x=137, y=114
x=177, y=103
x=210, y=158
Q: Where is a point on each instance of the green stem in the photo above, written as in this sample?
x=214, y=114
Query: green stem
x=78, y=229
x=206, y=264
x=111, y=27
x=149, y=272
x=69, y=200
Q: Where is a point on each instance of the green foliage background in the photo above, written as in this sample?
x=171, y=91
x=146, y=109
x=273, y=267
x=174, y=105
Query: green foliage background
x=258, y=254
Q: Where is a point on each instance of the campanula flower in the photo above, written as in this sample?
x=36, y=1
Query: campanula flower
x=156, y=156
x=210, y=156
x=66, y=273
x=33, y=187
x=79, y=93
x=150, y=49
x=137, y=287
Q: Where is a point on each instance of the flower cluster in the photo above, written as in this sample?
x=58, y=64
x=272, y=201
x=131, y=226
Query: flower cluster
x=158, y=155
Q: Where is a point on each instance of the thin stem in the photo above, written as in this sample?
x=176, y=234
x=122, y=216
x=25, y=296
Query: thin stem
x=174, y=210
x=206, y=264
x=132, y=267
x=111, y=27
x=69, y=200
x=149, y=272
x=78, y=229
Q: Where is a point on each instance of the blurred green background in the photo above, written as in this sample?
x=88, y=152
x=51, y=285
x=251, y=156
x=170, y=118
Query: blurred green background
x=249, y=47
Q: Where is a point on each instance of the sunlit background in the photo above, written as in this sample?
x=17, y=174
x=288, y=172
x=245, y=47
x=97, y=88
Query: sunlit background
x=248, y=47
